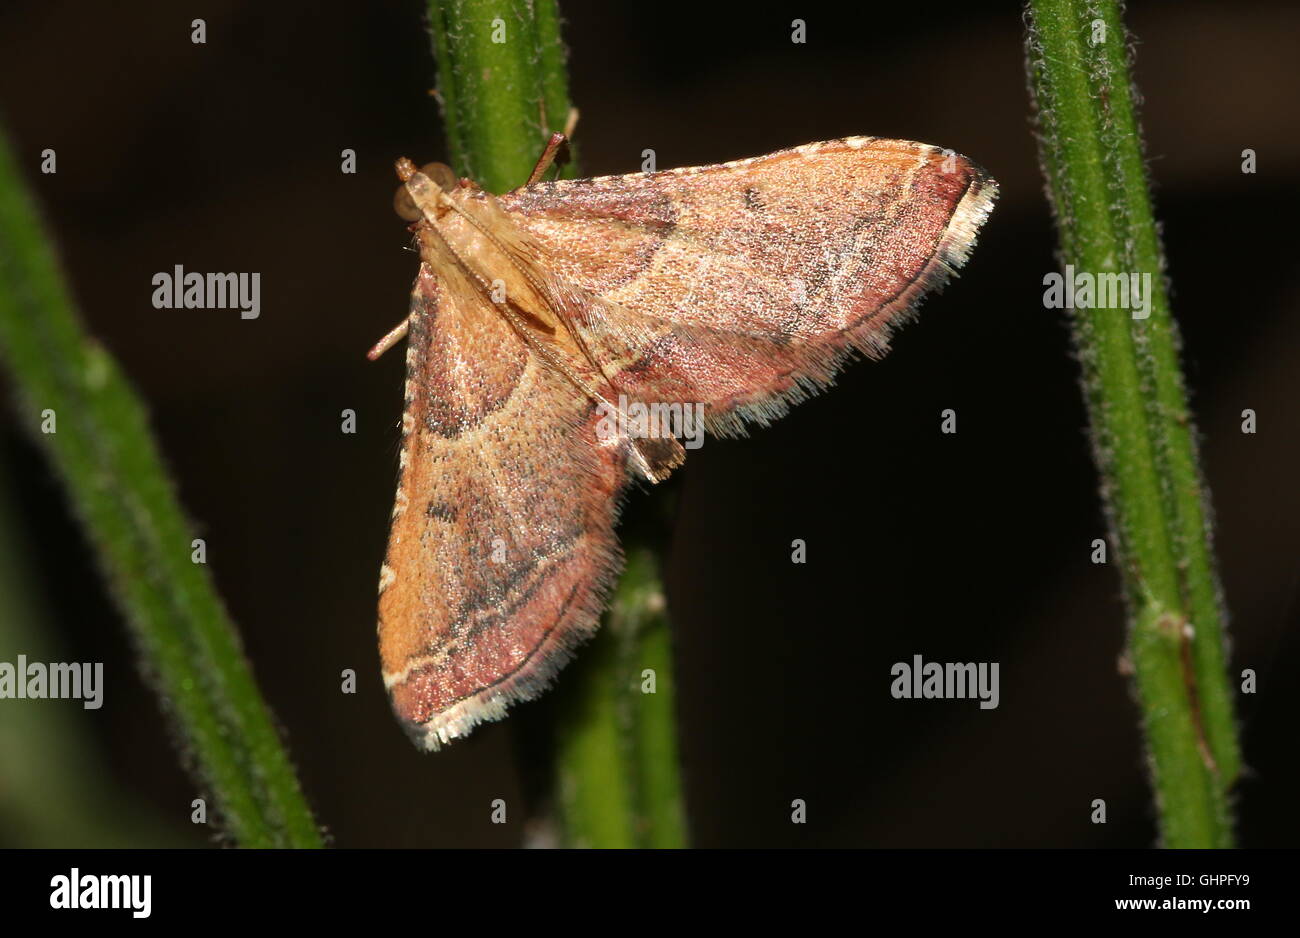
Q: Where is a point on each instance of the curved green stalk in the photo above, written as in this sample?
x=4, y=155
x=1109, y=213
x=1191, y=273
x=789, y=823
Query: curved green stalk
x=502, y=83
x=102, y=448
x=55, y=785
x=616, y=757
x=1143, y=437
x=619, y=784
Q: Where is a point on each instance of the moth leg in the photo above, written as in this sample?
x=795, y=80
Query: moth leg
x=553, y=145
x=547, y=158
x=395, y=335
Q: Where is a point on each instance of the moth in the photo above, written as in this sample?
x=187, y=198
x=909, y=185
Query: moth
x=538, y=315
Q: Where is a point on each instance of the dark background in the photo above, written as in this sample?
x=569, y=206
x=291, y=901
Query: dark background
x=225, y=156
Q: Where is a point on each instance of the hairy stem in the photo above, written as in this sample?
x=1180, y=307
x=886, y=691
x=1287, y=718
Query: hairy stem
x=76, y=402
x=619, y=784
x=1143, y=436
x=503, y=87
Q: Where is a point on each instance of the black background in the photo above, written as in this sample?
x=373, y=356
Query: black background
x=225, y=157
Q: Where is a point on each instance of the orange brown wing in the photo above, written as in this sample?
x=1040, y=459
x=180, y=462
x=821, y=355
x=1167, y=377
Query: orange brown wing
x=502, y=547
x=743, y=286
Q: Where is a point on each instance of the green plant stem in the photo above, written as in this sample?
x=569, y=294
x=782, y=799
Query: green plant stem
x=502, y=83
x=102, y=447
x=616, y=759
x=1143, y=437
x=56, y=789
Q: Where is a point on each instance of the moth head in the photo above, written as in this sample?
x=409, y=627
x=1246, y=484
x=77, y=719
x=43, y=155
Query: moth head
x=440, y=174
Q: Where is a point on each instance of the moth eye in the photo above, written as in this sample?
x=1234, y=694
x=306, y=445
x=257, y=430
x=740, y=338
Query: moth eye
x=405, y=206
x=442, y=174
